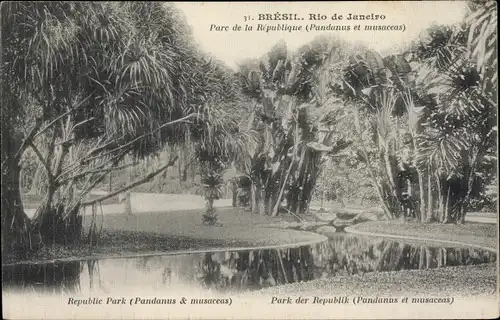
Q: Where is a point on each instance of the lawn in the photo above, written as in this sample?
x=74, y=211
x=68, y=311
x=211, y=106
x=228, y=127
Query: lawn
x=237, y=227
x=480, y=234
x=174, y=231
x=440, y=282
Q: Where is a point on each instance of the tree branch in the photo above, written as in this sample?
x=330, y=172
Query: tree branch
x=114, y=159
x=133, y=184
x=82, y=194
x=42, y=160
x=148, y=133
x=72, y=166
x=97, y=170
x=78, y=106
x=51, y=148
x=29, y=138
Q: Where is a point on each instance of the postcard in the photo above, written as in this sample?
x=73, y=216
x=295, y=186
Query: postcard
x=249, y=160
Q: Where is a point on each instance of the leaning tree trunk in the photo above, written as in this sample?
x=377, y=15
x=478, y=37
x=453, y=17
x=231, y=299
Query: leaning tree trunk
x=282, y=188
x=15, y=223
x=388, y=170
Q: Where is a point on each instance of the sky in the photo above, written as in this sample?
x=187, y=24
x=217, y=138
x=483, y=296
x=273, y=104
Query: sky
x=233, y=46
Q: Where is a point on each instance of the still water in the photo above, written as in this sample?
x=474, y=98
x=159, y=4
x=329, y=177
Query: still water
x=235, y=271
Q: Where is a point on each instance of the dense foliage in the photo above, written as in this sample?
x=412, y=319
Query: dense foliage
x=426, y=121
x=89, y=89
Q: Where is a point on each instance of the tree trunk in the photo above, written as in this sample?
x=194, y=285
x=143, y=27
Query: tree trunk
x=110, y=182
x=234, y=189
x=35, y=183
x=440, y=258
x=421, y=260
x=282, y=189
x=303, y=164
x=262, y=200
x=428, y=254
x=15, y=223
x=271, y=198
x=447, y=215
x=254, y=201
x=45, y=221
x=422, y=205
x=307, y=194
x=258, y=199
x=440, y=199
x=388, y=169
x=466, y=201
x=323, y=198
x=179, y=168
x=429, y=194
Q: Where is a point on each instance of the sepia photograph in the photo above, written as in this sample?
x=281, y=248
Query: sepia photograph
x=249, y=160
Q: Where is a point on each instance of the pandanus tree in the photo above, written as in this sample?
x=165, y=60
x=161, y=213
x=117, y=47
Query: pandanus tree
x=439, y=92
x=87, y=86
x=293, y=109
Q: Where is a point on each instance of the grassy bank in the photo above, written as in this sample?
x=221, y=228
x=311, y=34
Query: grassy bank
x=450, y=281
x=471, y=233
x=115, y=243
x=161, y=232
x=441, y=282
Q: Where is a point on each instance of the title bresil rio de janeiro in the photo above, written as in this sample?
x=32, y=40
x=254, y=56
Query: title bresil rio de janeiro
x=318, y=22
x=318, y=16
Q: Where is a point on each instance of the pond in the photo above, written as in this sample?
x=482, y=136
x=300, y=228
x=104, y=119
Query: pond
x=236, y=271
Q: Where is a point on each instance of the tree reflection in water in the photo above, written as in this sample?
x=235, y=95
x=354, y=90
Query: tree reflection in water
x=54, y=278
x=244, y=270
x=255, y=269
x=339, y=256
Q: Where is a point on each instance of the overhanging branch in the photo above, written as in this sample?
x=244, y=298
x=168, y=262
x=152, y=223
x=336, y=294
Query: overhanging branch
x=43, y=161
x=79, y=105
x=29, y=139
x=192, y=115
x=133, y=184
x=97, y=170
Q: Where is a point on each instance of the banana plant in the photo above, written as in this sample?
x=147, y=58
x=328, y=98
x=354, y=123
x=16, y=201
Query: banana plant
x=293, y=104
